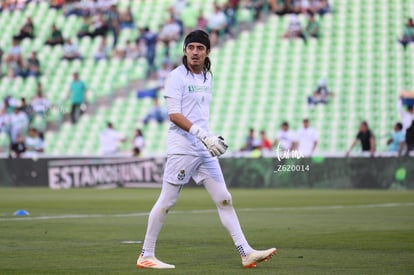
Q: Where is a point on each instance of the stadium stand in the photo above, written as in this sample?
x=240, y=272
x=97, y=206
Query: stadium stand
x=260, y=78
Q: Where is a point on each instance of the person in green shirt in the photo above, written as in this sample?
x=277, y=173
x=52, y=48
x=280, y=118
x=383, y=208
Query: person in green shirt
x=84, y=28
x=77, y=97
x=56, y=37
x=408, y=33
x=312, y=28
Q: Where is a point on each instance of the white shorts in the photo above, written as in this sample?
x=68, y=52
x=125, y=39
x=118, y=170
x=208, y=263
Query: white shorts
x=179, y=169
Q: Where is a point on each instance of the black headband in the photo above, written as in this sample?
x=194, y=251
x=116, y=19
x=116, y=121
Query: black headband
x=198, y=36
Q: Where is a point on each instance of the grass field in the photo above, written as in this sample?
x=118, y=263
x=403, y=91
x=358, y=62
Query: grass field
x=316, y=231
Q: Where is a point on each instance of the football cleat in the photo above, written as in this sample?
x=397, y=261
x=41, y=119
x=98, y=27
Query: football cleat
x=152, y=262
x=257, y=256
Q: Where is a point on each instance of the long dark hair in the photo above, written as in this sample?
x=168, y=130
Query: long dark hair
x=206, y=66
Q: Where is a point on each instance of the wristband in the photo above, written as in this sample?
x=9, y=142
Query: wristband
x=197, y=132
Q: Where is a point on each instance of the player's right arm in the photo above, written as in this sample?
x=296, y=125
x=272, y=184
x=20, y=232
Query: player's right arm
x=215, y=145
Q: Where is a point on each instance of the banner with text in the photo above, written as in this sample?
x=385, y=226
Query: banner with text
x=105, y=173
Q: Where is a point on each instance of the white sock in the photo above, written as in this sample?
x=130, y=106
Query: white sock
x=222, y=198
x=166, y=200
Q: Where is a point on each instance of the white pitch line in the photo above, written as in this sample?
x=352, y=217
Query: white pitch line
x=141, y=214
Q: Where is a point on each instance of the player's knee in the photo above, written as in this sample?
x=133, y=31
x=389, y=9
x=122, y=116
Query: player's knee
x=168, y=204
x=224, y=200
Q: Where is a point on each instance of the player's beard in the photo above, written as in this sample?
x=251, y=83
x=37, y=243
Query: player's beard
x=196, y=65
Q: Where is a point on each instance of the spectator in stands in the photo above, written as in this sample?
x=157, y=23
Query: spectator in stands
x=27, y=109
x=77, y=97
x=7, y=104
x=409, y=139
x=230, y=10
x=302, y=6
x=396, y=141
x=408, y=33
x=110, y=140
x=150, y=40
x=56, y=37
x=216, y=24
x=99, y=26
x=126, y=19
x=26, y=31
x=320, y=95
x=18, y=69
x=248, y=146
x=40, y=104
x=70, y=51
x=136, y=50
x=113, y=23
x=285, y=138
x=34, y=144
x=170, y=32
x=201, y=21
x=265, y=142
x=103, y=50
x=367, y=139
x=256, y=6
x=323, y=7
x=19, y=123
x=312, y=28
x=130, y=51
x=283, y=7
x=138, y=143
x=4, y=120
x=157, y=113
x=74, y=8
x=307, y=139
x=406, y=116
x=18, y=147
x=294, y=29
x=33, y=64
x=84, y=28
x=14, y=53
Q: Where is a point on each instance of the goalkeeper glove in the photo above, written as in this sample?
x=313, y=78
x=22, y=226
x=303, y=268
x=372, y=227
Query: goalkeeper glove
x=215, y=144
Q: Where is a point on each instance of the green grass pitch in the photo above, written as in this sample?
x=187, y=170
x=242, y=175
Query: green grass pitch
x=316, y=231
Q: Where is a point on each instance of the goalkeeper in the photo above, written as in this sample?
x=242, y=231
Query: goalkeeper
x=192, y=152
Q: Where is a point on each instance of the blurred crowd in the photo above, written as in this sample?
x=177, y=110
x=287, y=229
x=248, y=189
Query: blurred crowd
x=304, y=141
x=19, y=121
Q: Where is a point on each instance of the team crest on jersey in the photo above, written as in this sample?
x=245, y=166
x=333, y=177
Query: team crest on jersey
x=181, y=175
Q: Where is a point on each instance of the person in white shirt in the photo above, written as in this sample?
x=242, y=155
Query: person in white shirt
x=34, y=144
x=307, y=139
x=407, y=116
x=110, y=140
x=19, y=123
x=192, y=152
x=216, y=23
x=138, y=143
x=170, y=31
x=294, y=29
x=14, y=53
x=40, y=103
x=70, y=51
x=285, y=138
